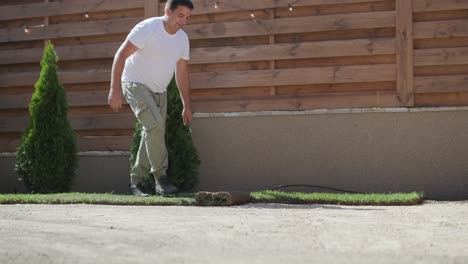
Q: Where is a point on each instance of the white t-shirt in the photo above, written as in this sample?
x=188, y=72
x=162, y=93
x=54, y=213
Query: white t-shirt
x=153, y=64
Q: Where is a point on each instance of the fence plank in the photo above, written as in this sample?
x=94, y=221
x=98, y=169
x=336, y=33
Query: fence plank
x=441, y=5
x=14, y=101
x=292, y=90
x=298, y=50
x=105, y=143
x=57, y=8
x=292, y=25
x=95, y=143
x=336, y=61
x=74, y=98
x=439, y=84
x=444, y=56
x=215, y=30
x=441, y=29
x=9, y=144
x=441, y=99
x=280, y=103
x=29, y=78
x=404, y=51
x=437, y=70
x=207, y=6
x=65, y=53
x=441, y=43
x=359, y=73
x=314, y=89
x=314, y=75
x=151, y=8
x=271, y=41
x=440, y=15
x=243, y=92
x=87, y=98
x=80, y=122
x=356, y=47
x=91, y=28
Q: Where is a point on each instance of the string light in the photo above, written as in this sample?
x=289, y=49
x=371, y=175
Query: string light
x=252, y=15
x=27, y=29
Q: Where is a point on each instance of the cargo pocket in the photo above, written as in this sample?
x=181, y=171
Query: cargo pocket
x=145, y=116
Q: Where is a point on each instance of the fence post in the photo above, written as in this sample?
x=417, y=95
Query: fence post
x=271, y=15
x=404, y=52
x=151, y=8
x=46, y=21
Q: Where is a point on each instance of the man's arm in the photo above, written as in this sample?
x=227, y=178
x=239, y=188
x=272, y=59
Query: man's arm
x=182, y=79
x=115, y=98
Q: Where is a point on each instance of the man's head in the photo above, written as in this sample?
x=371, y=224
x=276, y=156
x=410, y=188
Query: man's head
x=177, y=13
x=173, y=4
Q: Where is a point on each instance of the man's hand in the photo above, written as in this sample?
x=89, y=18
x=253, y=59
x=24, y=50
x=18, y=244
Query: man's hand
x=182, y=80
x=187, y=116
x=115, y=99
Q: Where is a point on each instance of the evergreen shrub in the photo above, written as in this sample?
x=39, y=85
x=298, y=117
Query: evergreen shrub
x=46, y=158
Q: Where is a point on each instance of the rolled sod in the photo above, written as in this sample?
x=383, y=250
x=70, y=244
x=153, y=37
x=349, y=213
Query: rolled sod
x=224, y=198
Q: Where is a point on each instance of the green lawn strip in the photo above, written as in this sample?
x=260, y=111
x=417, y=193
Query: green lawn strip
x=95, y=198
x=270, y=196
x=188, y=198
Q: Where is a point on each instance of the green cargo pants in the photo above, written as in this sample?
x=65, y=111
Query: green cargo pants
x=150, y=109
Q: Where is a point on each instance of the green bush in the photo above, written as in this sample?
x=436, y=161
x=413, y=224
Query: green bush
x=46, y=158
x=183, y=156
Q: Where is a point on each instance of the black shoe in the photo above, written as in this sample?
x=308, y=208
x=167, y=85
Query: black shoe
x=134, y=190
x=164, y=186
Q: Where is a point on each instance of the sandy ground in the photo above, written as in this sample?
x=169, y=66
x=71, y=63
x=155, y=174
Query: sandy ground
x=436, y=232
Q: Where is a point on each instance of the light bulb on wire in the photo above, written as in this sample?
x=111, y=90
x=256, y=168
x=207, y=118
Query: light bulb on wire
x=86, y=15
x=252, y=14
x=26, y=30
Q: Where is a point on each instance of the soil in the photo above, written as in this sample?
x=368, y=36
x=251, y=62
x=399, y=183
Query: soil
x=435, y=232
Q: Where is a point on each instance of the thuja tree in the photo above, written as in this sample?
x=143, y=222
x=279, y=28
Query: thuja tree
x=46, y=158
x=183, y=157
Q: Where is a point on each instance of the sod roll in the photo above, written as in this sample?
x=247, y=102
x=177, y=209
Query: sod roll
x=226, y=198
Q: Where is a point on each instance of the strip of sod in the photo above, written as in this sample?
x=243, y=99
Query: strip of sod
x=95, y=198
x=270, y=196
x=187, y=199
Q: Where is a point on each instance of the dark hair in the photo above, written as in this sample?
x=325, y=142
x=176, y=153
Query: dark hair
x=173, y=4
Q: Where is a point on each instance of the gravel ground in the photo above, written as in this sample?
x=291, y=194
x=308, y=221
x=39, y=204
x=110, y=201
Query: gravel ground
x=436, y=232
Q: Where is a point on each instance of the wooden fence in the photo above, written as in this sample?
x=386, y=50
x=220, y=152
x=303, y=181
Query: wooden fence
x=245, y=56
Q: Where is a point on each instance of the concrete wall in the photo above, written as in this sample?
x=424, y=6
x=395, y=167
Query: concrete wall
x=7, y=173
x=97, y=172
x=367, y=150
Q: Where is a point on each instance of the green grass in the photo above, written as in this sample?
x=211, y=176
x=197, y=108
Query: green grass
x=95, y=198
x=188, y=198
x=338, y=198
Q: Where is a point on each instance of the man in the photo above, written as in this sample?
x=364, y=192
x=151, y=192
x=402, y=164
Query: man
x=142, y=69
